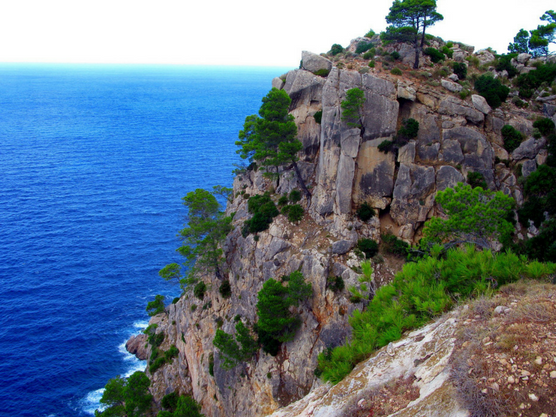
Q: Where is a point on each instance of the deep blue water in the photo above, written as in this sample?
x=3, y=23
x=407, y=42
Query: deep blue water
x=94, y=161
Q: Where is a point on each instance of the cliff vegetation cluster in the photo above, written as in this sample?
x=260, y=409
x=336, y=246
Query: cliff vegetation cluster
x=387, y=248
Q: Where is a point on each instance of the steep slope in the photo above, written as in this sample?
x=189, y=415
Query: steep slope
x=343, y=168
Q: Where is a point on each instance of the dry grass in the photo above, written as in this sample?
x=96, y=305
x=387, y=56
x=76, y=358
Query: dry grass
x=503, y=362
x=385, y=400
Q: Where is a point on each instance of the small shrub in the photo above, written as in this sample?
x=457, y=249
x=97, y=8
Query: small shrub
x=264, y=210
x=322, y=72
x=369, y=54
x=211, y=364
x=476, y=179
x=318, y=117
x=520, y=103
x=363, y=47
x=368, y=246
x=492, y=90
x=295, y=196
x=193, y=307
x=365, y=212
x=396, y=71
x=460, y=69
x=199, y=290
x=335, y=284
x=447, y=51
x=473, y=60
x=371, y=33
x=391, y=244
x=175, y=300
x=395, y=55
x=545, y=126
x=372, y=64
x=385, y=146
x=463, y=94
x=170, y=401
x=156, y=306
x=225, y=289
x=435, y=55
x=294, y=213
x=283, y=200
x=512, y=138
x=336, y=49
x=409, y=129
x=154, y=366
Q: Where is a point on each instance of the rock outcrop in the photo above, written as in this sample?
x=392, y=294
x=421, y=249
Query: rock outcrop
x=344, y=168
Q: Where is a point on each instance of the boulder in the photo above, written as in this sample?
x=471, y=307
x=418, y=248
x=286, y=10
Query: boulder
x=447, y=177
x=406, y=92
x=480, y=103
x=528, y=149
x=412, y=194
x=342, y=246
x=277, y=83
x=485, y=56
x=136, y=346
x=454, y=107
x=523, y=58
x=451, y=86
x=451, y=152
x=313, y=62
x=528, y=167
x=406, y=154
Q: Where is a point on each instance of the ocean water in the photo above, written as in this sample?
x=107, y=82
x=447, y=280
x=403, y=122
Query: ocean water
x=94, y=160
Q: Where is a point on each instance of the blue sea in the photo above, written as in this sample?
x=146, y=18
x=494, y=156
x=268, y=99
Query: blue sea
x=94, y=161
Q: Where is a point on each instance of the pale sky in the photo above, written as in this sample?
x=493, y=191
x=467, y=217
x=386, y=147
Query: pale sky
x=240, y=32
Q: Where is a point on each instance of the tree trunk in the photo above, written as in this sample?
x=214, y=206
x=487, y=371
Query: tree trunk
x=300, y=179
x=416, y=63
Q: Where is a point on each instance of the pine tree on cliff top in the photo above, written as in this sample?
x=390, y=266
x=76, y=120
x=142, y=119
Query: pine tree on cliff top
x=409, y=20
x=271, y=137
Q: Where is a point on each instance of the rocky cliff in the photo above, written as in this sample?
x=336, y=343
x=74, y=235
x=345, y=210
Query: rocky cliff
x=343, y=168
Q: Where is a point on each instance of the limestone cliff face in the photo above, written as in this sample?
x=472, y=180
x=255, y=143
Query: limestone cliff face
x=343, y=168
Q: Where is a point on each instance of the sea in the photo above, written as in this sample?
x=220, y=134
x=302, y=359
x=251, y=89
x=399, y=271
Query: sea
x=94, y=161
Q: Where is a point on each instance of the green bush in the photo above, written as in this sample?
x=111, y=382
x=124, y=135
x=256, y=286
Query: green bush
x=322, y=72
x=370, y=34
x=395, y=55
x=409, y=129
x=447, y=51
x=435, y=54
x=335, y=284
x=294, y=213
x=372, y=64
x=476, y=179
x=264, y=210
x=529, y=82
x=543, y=246
x=512, y=138
x=504, y=63
x=396, y=71
x=391, y=244
x=318, y=117
x=460, y=69
x=351, y=107
x=283, y=200
x=276, y=323
x=363, y=47
x=365, y=212
x=170, y=401
x=156, y=306
x=369, y=54
x=386, y=146
x=336, y=49
x=295, y=196
x=421, y=291
x=492, y=90
x=225, y=289
x=368, y=246
x=545, y=126
x=199, y=290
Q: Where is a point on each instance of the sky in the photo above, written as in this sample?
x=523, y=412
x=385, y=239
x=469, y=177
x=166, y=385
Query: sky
x=225, y=32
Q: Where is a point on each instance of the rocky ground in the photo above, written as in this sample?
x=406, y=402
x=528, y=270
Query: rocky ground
x=492, y=357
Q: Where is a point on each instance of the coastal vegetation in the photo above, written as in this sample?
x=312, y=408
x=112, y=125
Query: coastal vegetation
x=276, y=323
